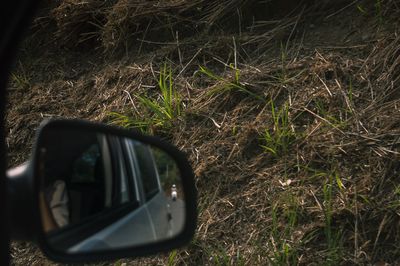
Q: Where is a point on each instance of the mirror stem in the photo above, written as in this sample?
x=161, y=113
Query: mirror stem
x=21, y=213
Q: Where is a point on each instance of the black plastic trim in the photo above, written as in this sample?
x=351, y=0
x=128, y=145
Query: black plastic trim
x=187, y=183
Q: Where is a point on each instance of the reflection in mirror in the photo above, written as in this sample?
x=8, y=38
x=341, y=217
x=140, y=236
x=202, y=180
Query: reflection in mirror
x=101, y=192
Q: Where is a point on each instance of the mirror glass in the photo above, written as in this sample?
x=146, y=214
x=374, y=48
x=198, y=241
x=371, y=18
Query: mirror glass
x=101, y=192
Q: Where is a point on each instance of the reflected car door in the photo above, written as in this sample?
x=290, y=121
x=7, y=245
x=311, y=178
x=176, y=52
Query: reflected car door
x=155, y=201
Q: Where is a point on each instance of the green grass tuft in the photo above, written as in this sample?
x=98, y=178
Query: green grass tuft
x=284, y=250
x=171, y=258
x=227, y=85
x=278, y=140
x=333, y=235
x=160, y=112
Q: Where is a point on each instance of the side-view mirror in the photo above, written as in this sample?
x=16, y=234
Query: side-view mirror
x=96, y=192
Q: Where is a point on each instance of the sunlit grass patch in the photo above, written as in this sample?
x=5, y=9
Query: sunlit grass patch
x=159, y=112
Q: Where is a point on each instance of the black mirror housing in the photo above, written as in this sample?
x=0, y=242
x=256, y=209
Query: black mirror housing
x=31, y=178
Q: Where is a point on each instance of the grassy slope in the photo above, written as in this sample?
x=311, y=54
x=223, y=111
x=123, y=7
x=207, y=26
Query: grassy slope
x=291, y=125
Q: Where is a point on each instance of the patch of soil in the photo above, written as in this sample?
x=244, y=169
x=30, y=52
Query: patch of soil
x=335, y=67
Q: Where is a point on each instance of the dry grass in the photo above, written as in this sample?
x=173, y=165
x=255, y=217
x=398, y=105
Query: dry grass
x=118, y=24
x=332, y=197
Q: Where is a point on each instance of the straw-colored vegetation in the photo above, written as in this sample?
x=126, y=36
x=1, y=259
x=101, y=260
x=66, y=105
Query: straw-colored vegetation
x=288, y=112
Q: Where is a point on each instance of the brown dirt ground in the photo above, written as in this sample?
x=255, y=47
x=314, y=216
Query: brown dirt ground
x=337, y=68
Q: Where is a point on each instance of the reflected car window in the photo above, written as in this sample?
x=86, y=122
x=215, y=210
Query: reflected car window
x=148, y=171
x=84, y=167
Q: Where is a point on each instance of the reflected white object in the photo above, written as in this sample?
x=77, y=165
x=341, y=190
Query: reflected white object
x=58, y=201
x=174, y=193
